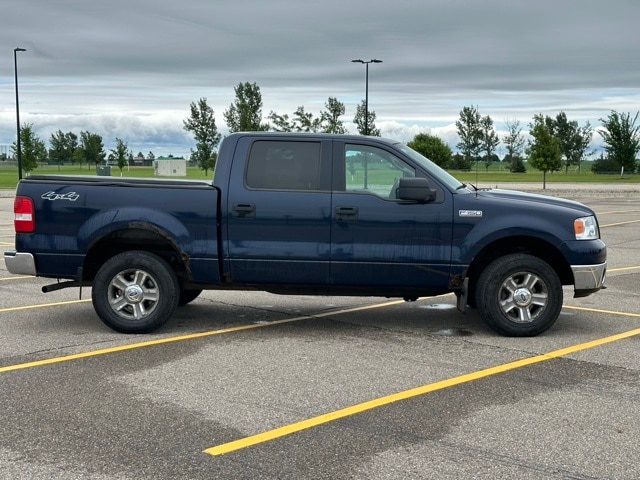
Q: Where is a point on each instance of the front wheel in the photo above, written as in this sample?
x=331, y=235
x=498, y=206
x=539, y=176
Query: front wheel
x=135, y=292
x=519, y=295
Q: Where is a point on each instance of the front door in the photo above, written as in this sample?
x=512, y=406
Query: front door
x=377, y=239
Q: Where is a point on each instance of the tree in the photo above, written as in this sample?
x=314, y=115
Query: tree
x=32, y=149
x=517, y=165
x=460, y=162
x=573, y=139
x=514, y=142
x=330, y=118
x=359, y=119
x=280, y=123
x=621, y=136
x=245, y=114
x=470, y=132
x=92, y=148
x=62, y=146
x=202, y=124
x=489, y=140
x=120, y=154
x=544, y=148
x=433, y=148
x=305, y=122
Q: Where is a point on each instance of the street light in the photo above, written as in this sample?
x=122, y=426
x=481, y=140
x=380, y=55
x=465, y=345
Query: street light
x=366, y=94
x=15, y=70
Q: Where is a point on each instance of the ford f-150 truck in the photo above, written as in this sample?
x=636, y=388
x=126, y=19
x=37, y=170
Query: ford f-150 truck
x=307, y=214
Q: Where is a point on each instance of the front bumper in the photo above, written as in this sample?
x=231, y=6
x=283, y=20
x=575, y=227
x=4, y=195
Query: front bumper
x=588, y=279
x=20, y=263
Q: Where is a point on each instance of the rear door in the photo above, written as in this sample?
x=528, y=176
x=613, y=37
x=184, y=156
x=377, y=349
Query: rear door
x=279, y=211
x=378, y=239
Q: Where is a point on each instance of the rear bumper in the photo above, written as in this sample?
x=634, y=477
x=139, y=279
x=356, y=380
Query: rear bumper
x=588, y=278
x=20, y=263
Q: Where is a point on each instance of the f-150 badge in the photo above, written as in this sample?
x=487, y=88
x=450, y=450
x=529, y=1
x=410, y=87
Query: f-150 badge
x=470, y=213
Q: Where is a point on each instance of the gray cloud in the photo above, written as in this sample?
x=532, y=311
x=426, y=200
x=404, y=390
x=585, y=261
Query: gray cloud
x=130, y=69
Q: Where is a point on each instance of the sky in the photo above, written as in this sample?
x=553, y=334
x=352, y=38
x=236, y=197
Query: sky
x=130, y=69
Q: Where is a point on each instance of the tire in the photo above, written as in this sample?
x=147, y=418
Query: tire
x=188, y=296
x=519, y=295
x=135, y=292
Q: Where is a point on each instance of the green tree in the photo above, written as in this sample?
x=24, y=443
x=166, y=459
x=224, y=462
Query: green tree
x=92, y=148
x=279, y=123
x=330, y=118
x=514, y=142
x=61, y=147
x=120, y=154
x=32, y=149
x=544, y=149
x=305, y=121
x=460, y=162
x=489, y=140
x=433, y=148
x=573, y=139
x=245, y=113
x=621, y=136
x=202, y=124
x=368, y=126
x=470, y=132
x=517, y=165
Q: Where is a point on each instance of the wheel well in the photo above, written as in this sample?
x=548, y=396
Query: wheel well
x=134, y=239
x=506, y=246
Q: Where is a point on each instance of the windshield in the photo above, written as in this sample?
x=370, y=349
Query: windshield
x=446, y=178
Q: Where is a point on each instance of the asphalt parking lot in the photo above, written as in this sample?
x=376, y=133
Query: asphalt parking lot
x=245, y=385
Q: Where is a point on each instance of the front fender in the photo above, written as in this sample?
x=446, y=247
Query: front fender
x=475, y=235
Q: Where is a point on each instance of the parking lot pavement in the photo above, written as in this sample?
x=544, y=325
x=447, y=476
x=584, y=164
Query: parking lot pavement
x=253, y=385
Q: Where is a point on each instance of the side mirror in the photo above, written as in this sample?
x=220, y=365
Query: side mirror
x=416, y=189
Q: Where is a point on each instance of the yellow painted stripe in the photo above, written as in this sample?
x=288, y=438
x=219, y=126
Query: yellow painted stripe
x=622, y=269
x=431, y=387
x=619, y=223
x=160, y=341
x=618, y=211
x=42, y=305
x=597, y=310
x=6, y=279
x=6, y=244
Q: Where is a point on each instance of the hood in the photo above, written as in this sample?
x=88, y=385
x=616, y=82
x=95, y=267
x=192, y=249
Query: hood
x=533, y=198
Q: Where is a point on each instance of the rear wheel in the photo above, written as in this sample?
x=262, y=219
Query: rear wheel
x=135, y=292
x=519, y=295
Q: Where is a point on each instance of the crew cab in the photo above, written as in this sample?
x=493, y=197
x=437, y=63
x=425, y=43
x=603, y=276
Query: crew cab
x=307, y=214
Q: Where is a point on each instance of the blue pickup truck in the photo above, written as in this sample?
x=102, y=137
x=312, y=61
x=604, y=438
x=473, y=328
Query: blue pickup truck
x=307, y=214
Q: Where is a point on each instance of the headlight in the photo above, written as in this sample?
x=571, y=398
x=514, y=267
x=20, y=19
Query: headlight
x=586, y=228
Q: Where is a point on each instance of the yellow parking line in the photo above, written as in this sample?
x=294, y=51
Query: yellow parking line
x=431, y=387
x=159, y=341
x=6, y=244
x=622, y=269
x=619, y=223
x=4, y=279
x=611, y=212
x=41, y=305
x=618, y=211
x=597, y=310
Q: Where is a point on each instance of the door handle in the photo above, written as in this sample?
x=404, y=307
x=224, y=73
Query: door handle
x=244, y=210
x=347, y=214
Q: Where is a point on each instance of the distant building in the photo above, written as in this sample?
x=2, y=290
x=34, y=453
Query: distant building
x=170, y=166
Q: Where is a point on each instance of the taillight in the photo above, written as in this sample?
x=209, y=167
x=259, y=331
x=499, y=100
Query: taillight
x=23, y=217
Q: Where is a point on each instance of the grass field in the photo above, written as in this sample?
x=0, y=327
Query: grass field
x=496, y=174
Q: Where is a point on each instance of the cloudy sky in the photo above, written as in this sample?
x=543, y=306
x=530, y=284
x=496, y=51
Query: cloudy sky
x=130, y=69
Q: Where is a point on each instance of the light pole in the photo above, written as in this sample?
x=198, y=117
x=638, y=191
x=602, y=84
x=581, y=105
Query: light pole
x=366, y=91
x=18, y=149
